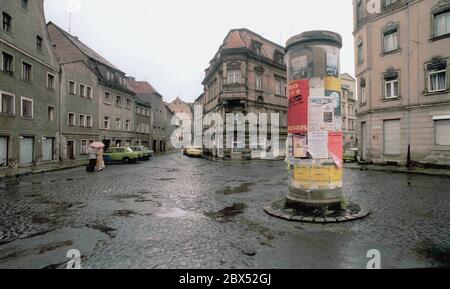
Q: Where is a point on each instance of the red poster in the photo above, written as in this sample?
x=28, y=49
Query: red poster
x=298, y=106
x=336, y=147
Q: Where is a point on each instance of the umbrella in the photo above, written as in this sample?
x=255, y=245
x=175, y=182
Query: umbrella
x=97, y=145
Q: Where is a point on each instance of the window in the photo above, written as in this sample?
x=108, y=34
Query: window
x=27, y=71
x=442, y=24
x=88, y=121
x=389, y=2
x=257, y=48
x=50, y=82
x=391, y=86
x=279, y=58
x=82, y=120
x=137, y=128
x=106, y=122
x=7, y=22
x=27, y=107
x=437, y=80
x=107, y=99
x=51, y=113
x=89, y=92
x=442, y=132
x=360, y=51
x=279, y=87
x=359, y=11
x=259, y=85
x=72, y=87
x=363, y=91
x=119, y=101
x=7, y=63
x=24, y=4
x=72, y=121
x=7, y=104
x=39, y=43
x=83, y=146
x=390, y=40
x=234, y=77
x=118, y=123
x=127, y=124
x=128, y=103
x=82, y=90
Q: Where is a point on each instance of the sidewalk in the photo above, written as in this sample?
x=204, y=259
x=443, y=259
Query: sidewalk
x=42, y=168
x=394, y=169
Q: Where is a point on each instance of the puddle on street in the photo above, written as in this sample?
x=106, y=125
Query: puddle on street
x=227, y=213
x=243, y=188
x=170, y=213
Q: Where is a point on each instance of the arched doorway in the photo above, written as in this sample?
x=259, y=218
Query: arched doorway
x=155, y=147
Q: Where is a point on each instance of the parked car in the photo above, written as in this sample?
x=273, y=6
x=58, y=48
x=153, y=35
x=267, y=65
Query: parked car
x=120, y=154
x=351, y=155
x=193, y=152
x=144, y=152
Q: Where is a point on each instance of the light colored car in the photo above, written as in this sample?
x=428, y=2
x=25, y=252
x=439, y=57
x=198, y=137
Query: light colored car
x=144, y=152
x=121, y=154
x=193, y=152
x=351, y=155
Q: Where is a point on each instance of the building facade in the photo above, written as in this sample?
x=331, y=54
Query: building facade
x=97, y=103
x=402, y=67
x=247, y=75
x=184, y=115
x=348, y=110
x=160, y=115
x=29, y=86
x=143, y=119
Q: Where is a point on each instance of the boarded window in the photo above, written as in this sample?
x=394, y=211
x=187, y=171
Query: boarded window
x=442, y=132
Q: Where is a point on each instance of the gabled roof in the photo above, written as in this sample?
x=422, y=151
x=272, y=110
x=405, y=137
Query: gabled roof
x=348, y=76
x=86, y=50
x=142, y=87
x=235, y=41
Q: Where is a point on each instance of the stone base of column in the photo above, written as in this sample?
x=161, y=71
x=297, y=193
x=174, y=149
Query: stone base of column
x=315, y=200
x=316, y=212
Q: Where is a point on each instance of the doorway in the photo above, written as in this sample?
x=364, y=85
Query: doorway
x=364, y=141
x=26, y=150
x=3, y=151
x=70, y=150
x=47, y=149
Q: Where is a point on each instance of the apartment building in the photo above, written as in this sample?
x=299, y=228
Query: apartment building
x=29, y=86
x=348, y=110
x=402, y=68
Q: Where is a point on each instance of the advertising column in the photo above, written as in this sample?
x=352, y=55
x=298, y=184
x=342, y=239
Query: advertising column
x=315, y=150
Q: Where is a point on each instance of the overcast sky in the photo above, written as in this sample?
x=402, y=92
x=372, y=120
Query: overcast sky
x=169, y=43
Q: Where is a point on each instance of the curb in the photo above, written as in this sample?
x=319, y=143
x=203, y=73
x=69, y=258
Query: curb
x=37, y=172
x=442, y=173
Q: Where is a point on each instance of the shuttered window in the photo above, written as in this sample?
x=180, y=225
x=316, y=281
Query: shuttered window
x=442, y=132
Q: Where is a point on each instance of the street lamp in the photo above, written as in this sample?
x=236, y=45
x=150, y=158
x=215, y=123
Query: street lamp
x=315, y=140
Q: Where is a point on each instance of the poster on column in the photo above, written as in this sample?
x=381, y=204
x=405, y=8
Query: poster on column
x=298, y=106
x=336, y=147
x=332, y=91
x=318, y=144
x=321, y=113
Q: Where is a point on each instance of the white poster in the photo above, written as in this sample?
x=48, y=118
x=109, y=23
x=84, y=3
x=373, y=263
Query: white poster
x=321, y=113
x=318, y=144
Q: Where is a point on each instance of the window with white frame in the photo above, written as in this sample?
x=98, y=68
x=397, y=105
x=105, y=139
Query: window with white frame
x=7, y=63
x=50, y=82
x=51, y=113
x=107, y=98
x=360, y=51
x=128, y=104
x=72, y=119
x=442, y=132
x=7, y=22
x=39, y=43
x=27, y=71
x=259, y=82
x=82, y=90
x=118, y=101
x=89, y=92
x=390, y=40
x=82, y=120
x=437, y=76
x=27, y=107
x=234, y=77
x=391, y=86
x=83, y=149
x=389, y=2
x=118, y=123
x=127, y=125
x=442, y=24
x=7, y=103
x=88, y=121
x=106, y=122
x=72, y=87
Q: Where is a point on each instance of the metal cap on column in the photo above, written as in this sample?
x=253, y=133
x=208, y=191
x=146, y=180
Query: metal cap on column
x=315, y=140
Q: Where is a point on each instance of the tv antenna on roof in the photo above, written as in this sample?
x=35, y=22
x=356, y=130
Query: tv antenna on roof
x=73, y=6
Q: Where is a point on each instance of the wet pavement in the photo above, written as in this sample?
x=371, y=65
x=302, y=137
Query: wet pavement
x=176, y=212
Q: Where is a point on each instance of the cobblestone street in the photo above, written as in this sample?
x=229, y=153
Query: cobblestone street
x=176, y=212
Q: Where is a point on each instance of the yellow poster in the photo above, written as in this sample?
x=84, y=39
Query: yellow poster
x=332, y=83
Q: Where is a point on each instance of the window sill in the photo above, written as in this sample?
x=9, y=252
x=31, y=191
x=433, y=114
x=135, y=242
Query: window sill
x=431, y=93
x=27, y=118
x=107, y=103
x=437, y=38
x=9, y=73
x=398, y=50
x=441, y=148
x=391, y=99
x=7, y=115
x=362, y=104
x=8, y=33
x=30, y=82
